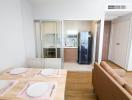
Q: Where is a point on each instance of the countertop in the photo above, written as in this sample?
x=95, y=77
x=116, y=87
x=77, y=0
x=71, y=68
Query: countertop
x=71, y=47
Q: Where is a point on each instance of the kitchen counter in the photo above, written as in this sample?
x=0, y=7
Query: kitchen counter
x=70, y=47
x=70, y=54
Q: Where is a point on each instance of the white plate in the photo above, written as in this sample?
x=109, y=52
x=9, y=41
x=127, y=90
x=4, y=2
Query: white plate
x=18, y=71
x=4, y=84
x=49, y=72
x=38, y=89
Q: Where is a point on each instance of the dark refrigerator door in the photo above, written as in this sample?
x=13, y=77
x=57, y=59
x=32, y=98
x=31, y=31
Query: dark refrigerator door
x=84, y=52
x=83, y=47
x=90, y=50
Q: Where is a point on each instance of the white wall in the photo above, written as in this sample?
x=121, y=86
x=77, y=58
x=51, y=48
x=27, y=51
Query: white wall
x=94, y=31
x=16, y=33
x=12, y=52
x=38, y=39
x=68, y=9
x=28, y=29
x=129, y=68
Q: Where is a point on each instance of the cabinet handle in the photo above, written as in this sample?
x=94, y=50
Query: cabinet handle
x=117, y=43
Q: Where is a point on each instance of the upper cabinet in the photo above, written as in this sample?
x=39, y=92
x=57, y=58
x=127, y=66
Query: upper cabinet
x=71, y=30
x=51, y=34
x=49, y=27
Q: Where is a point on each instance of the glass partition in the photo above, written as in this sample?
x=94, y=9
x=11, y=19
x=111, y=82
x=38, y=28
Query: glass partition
x=48, y=38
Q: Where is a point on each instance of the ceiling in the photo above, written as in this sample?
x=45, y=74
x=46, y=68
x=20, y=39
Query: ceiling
x=109, y=1
x=42, y=1
x=119, y=1
x=110, y=15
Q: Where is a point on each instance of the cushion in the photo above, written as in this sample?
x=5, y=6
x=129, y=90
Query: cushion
x=120, y=80
x=107, y=67
x=128, y=87
x=120, y=72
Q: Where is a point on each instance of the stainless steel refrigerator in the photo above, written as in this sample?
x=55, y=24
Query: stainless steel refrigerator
x=84, y=48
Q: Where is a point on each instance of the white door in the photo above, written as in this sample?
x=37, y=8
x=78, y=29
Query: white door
x=120, y=41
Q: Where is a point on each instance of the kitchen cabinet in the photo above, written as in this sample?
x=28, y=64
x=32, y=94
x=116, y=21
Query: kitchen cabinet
x=70, y=54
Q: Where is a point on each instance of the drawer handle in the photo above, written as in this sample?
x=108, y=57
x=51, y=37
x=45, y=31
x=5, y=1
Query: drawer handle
x=117, y=43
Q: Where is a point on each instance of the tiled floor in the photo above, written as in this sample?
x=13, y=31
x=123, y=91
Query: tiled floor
x=77, y=67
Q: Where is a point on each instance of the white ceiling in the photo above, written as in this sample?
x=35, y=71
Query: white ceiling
x=119, y=1
x=108, y=1
x=110, y=15
x=36, y=2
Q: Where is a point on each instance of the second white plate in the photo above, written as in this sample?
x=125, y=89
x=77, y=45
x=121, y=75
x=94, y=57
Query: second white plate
x=16, y=71
x=49, y=72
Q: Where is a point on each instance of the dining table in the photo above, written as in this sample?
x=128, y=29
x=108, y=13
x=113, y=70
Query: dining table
x=33, y=75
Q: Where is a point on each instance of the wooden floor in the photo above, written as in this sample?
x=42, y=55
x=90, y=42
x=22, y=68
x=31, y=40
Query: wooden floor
x=113, y=65
x=79, y=86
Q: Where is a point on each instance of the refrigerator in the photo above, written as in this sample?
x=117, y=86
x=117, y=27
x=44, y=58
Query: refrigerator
x=84, y=48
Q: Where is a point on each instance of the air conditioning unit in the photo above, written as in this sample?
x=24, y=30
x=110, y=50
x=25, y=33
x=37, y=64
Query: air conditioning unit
x=117, y=7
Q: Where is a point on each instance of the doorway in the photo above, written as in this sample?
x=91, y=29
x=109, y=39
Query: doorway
x=72, y=29
x=57, y=43
x=117, y=37
x=49, y=43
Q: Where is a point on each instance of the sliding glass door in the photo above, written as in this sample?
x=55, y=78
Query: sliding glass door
x=49, y=43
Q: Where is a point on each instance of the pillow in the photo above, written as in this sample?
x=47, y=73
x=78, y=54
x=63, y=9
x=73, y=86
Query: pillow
x=120, y=72
x=120, y=80
x=128, y=87
x=107, y=67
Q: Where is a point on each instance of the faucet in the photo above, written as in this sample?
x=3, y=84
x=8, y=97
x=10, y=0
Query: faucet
x=73, y=40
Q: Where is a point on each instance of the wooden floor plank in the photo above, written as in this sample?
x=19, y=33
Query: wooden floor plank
x=79, y=86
